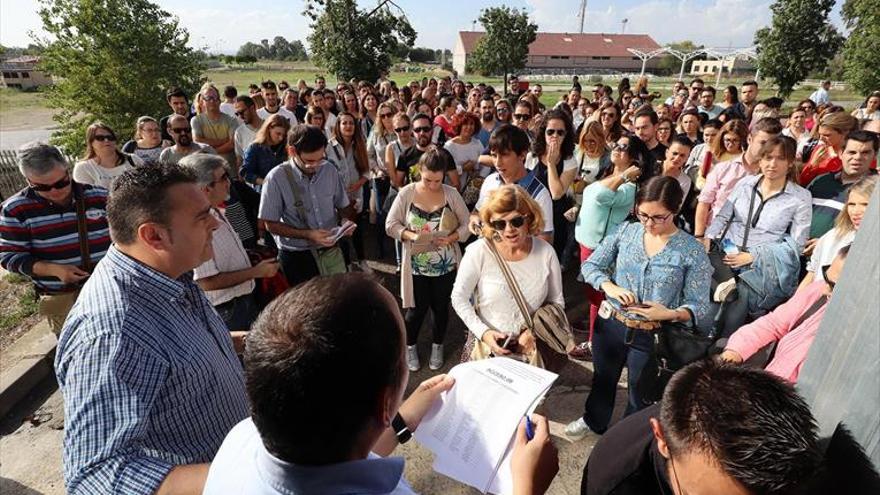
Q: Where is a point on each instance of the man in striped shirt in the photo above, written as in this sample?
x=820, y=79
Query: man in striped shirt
x=150, y=379
x=40, y=230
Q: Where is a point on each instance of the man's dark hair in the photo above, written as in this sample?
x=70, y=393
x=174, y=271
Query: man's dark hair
x=865, y=137
x=713, y=123
x=753, y=424
x=306, y=138
x=710, y=89
x=317, y=363
x=681, y=139
x=247, y=100
x=488, y=97
x=768, y=125
x=696, y=80
x=751, y=83
x=664, y=190
x=647, y=111
x=175, y=92
x=773, y=102
x=230, y=92
x=253, y=87
x=507, y=137
x=140, y=195
x=268, y=84
x=420, y=116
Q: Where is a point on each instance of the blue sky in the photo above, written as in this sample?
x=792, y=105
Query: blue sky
x=220, y=26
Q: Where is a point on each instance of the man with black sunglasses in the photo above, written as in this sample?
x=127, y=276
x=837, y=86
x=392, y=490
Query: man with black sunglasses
x=406, y=165
x=181, y=134
x=54, y=231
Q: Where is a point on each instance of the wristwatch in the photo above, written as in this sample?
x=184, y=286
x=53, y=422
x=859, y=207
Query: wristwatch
x=400, y=429
x=624, y=178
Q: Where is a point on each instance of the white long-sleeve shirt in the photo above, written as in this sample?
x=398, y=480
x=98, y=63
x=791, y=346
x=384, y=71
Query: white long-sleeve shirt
x=538, y=276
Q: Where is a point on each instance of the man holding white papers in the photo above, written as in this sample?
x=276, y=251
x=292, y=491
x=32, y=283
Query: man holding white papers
x=300, y=203
x=326, y=399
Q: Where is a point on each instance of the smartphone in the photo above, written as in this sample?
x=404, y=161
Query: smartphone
x=729, y=247
x=638, y=305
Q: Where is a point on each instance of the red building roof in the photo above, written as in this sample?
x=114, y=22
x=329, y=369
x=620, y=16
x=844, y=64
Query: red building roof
x=576, y=45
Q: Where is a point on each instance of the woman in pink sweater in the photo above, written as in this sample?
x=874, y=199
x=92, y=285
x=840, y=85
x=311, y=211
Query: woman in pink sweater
x=793, y=325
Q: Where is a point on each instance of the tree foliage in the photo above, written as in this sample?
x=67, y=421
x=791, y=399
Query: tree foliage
x=861, y=68
x=799, y=40
x=505, y=46
x=671, y=65
x=355, y=43
x=113, y=61
x=279, y=49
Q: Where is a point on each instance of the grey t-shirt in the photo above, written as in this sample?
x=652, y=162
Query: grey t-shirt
x=172, y=156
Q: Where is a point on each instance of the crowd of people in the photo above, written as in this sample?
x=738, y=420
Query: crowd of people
x=161, y=262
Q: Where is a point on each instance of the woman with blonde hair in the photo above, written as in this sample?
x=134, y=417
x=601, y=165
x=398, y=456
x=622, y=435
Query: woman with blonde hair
x=147, y=143
x=825, y=157
x=845, y=227
x=268, y=149
x=103, y=161
x=513, y=222
x=429, y=218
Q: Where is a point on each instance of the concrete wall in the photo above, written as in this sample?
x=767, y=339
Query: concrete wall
x=841, y=376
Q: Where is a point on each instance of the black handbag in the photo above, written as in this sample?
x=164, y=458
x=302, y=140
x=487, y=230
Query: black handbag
x=675, y=346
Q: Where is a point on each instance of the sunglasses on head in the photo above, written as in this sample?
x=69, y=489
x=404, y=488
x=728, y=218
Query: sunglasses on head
x=555, y=132
x=402, y=129
x=61, y=184
x=515, y=222
x=422, y=129
x=104, y=137
x=620, y=146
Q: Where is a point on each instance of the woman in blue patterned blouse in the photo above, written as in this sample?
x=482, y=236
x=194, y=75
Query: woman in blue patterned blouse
x=650, y=272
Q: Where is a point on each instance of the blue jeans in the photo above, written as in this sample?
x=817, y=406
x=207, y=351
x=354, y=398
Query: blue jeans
x=610, y=354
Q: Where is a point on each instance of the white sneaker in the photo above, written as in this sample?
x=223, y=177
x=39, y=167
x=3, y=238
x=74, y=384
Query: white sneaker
x=577, y=429
x=436, y=361
x=412, y=358
x=724, y=289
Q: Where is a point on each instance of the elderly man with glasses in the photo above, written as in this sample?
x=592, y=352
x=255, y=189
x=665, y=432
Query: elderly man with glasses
x=53, y=231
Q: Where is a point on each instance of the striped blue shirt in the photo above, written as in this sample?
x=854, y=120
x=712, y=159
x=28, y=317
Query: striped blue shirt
x=149, y=376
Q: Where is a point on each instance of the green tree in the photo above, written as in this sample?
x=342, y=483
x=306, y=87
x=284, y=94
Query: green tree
x=799, y=40
x=672, y=66
x=113, y=61
x=862, y=17
x=505, y=46
x=355, y=43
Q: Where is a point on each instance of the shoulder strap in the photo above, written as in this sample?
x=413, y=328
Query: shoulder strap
x=83, y=231
x=810, y=311
x=745, y=241
x=297, y=192
x=511, y=282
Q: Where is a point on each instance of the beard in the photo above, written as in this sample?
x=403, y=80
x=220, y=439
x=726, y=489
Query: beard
x=184, y=140
x=488, y=116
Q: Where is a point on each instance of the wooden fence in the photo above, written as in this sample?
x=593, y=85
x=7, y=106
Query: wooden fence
x=11, y=180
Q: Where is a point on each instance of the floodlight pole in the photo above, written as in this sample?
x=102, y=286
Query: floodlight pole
x=645, y=56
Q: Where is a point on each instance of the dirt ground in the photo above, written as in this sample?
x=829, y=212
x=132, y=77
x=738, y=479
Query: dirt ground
x=16, y=300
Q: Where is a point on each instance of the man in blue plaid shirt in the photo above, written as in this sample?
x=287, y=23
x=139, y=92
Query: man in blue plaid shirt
x=150, y=378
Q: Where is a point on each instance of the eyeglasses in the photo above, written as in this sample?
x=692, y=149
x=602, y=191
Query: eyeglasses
x=223, y=178
x=657, y=219
x=620, y=147
x=522, y=116
x=806, y=107
x=825, y=276
x=181, y=130
x=515, y=222
x=386, y=115
x=61, y=184
x=210, y=98
x=105, y=137
x=556, y=132
x=422, y=129
x=731, y=140
x=402, y=129
x=609, y=114
x=502, y=110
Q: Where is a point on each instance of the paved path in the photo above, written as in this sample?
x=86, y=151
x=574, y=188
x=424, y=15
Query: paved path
x=10, y=140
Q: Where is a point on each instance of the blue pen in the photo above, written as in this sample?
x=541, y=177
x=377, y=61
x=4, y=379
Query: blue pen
x=530, y=429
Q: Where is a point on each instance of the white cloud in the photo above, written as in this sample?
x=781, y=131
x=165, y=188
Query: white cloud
x=712, y=23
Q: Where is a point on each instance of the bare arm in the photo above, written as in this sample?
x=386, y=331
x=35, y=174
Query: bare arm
x=701, y=219
x=185, y=479
x=283, y=230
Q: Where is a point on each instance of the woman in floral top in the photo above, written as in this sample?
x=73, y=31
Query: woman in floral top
x=650, y=272
x=429, y=218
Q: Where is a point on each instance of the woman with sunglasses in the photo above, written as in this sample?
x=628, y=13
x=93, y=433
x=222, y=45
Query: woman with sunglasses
x=418, y=219
x=606, y=203
x=268, y=149
x=651, y=273
x=552, y=159
x=609, y=117
x=103, y=162
x=380, y=136
x=763, y=226
x=844, y=232
x=147, y=143
x=481, y=297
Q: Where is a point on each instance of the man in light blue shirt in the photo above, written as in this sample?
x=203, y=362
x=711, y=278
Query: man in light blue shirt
x=325, y=375
x=707, y=103
x=150, y=379
x=820, y=96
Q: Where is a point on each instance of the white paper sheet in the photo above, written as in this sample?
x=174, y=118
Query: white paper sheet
x=470, y=428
